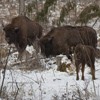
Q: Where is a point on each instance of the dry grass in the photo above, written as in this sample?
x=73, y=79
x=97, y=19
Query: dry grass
x=3, y=52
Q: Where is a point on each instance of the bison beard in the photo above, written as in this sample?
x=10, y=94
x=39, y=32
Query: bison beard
x=22, y=32
x=84, y=55
x=61, y=40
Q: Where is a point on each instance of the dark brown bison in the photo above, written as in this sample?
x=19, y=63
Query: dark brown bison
x=22, y=32
x=61, y=40
x=84, y=55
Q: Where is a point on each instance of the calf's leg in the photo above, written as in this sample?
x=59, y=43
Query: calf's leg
x=77, y=71
x=93, y=72
x=83, y=67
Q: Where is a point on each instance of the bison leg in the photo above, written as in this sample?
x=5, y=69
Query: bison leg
x=36, y=45
x=20, y=56
x=93, y=72
x=20, y=48
x=83, y=67
x=77, y=71
x=69, y=53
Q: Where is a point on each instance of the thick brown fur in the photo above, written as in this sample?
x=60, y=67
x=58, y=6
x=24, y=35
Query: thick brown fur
x=22, y=32
x=84, y=55
x=61, y=40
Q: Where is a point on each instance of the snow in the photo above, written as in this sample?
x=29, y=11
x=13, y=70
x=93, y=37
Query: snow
x=50, y=84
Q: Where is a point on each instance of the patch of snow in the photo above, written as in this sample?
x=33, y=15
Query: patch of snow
x=30, y=49
x=50, y=83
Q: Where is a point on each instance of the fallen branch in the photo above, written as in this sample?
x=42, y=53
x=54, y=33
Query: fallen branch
x=21, y=62
x=4, y=72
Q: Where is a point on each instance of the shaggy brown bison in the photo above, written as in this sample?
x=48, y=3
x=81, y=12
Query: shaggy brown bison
x=22, y=32
x=61, y=40
x=84, y=55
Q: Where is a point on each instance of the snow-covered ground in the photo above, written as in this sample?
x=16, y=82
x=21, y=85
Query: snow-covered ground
x=49, y=84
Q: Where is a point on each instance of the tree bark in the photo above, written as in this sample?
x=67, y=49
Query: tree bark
x=21, y=7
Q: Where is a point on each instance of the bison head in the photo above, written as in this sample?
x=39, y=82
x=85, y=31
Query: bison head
x=78, y=51
x=11, y=33
x=46, y=46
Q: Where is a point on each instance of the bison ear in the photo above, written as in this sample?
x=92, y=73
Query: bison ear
x=16, y=29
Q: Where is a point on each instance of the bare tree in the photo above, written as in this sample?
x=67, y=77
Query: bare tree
x=21, y=7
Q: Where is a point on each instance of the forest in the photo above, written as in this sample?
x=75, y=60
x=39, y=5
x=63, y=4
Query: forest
x=29, y=71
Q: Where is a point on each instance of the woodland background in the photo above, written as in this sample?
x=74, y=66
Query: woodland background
x=22, y=80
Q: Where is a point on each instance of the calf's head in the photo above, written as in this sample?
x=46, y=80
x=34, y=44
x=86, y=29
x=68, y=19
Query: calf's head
x=79, y=54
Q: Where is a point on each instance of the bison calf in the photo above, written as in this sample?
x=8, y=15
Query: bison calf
x=84, y=55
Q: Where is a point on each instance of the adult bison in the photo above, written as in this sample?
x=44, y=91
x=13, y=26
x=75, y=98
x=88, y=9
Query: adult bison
x=22, y=32
x=61, y=40
x=84, y=55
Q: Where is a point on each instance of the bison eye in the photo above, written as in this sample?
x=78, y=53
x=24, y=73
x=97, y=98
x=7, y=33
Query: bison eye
x=16, y=29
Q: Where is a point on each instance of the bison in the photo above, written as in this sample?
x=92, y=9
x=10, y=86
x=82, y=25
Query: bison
x=22, y=32
x=61, y=40
x=84, y=55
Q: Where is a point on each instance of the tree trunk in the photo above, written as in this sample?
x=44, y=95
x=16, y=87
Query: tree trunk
x=21, y=7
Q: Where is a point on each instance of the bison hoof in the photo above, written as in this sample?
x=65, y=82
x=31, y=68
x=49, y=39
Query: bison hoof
x=77, y=78
x=83, y=79
x=93, y=78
